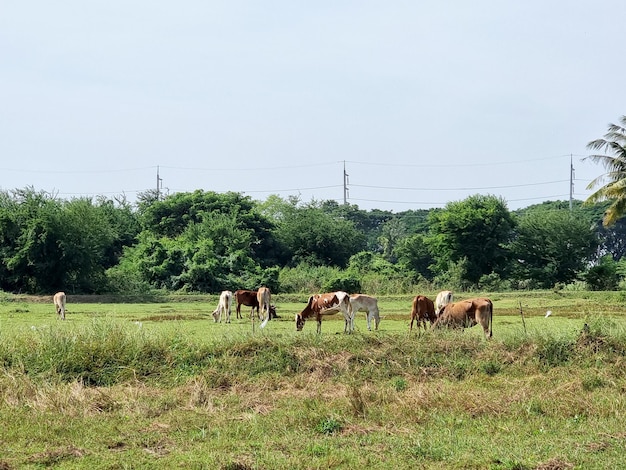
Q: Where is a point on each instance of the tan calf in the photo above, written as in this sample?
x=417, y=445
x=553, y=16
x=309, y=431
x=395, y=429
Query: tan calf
x=59, y=304
x=467, y=313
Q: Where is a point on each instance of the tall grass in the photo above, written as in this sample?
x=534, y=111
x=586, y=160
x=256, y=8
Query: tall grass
x=106, y=352
x=373, y=400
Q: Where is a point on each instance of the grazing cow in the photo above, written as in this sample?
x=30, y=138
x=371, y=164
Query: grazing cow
x=467, y=313
x=443, y=298
x=263, y=297
x=327, y=304
x=59, y=304
x=423, y=310
x=223, y=307
x=366, y=303
x=248, y=298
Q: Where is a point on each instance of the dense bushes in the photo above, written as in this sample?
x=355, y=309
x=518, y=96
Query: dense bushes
x=208, y=242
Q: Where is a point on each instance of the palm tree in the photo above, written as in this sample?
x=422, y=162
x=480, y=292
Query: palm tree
x=613, y=143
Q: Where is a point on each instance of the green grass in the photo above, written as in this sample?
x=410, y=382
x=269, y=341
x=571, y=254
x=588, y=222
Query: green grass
x=162, y=386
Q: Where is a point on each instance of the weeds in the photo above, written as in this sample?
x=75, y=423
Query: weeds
x=328, y=426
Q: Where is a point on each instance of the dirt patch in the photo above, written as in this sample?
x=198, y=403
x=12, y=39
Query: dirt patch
x=52, y=457
x=158, y=318
x=555, y=464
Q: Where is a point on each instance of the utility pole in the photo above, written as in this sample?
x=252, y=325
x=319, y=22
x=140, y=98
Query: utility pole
x=345, y=184
x=571, y=181
x=159, y=184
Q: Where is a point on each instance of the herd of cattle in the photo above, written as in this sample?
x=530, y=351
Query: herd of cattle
x=442, y=312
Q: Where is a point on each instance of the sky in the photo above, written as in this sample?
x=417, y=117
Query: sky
x=422, y=102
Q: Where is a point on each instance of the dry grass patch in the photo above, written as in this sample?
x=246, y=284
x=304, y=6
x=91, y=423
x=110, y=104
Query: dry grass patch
x=53, y=457
x=555, y=464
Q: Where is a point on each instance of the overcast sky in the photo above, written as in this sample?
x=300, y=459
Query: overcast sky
x=426, y=102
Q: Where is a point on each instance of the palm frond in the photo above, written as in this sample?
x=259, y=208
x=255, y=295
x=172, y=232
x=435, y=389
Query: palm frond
x=614, y=161
x=614, y=212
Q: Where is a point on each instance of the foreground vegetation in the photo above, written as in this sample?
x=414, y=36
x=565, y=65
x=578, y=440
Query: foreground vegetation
x=160, y=385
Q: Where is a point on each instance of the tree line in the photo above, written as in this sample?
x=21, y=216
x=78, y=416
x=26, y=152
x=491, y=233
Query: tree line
x=207, y=242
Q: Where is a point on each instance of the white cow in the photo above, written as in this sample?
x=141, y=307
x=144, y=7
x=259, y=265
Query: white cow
x=443, y=298
x=59, y=304
x=264, y=298
x=366, y=303
x=224, y=306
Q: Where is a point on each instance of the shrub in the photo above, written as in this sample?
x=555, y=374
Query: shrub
x=342, y=283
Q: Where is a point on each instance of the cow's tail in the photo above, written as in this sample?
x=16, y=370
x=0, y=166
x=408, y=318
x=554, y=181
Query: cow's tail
x=490, y=318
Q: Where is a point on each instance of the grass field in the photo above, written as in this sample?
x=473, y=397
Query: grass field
x=160, y=385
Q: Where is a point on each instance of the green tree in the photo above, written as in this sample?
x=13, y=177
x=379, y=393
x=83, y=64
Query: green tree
x=612, y=185
x=413, y=254
x=50, y=244
x=171, y=216
x=552, y=247
x=476, y=230
x=393, y=231
x=309, y=234
x=604, y=275
x=369, y=223
x=210, y=255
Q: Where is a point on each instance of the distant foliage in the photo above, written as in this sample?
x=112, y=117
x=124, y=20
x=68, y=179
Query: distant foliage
x=207, y=242
x=552, y=247
x=603, y=276
x=342, y=283
x=476, y=230
x=49, y=244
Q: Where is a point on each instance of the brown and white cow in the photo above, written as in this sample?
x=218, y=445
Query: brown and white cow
x=330, y=303
x=248, y=298
x=368, y=304
x=263, y=296
x=443, y=298
x=423, y=310
x=223, y=307
x=467, y=313
x=59, y=304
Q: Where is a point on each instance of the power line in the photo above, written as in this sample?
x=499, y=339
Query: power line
x=457, y=165
x=459, y=189
x=66, y=171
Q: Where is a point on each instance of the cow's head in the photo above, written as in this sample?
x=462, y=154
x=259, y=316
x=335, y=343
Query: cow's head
x=273, y=311
x=216, y=315
x=299, y=321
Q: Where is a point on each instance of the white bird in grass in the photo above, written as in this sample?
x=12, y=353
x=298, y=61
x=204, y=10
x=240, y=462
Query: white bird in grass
x=548, y=313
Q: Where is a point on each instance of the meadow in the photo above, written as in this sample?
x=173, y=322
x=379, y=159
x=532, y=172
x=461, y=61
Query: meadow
x=158, y=384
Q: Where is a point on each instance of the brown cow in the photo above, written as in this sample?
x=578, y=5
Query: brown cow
x=263, y=297
x=423, y=310
x=248, y=298
x=467, y=313
x=327, y=304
